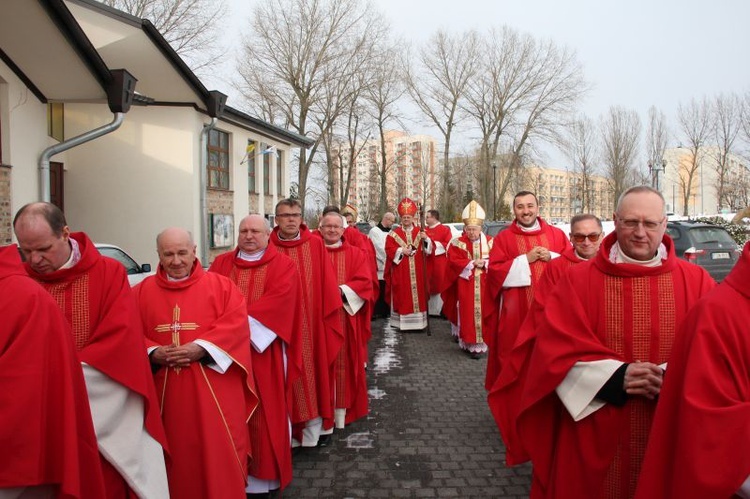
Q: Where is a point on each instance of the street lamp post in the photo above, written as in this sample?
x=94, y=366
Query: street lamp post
x=654, y=172
x=494, y=191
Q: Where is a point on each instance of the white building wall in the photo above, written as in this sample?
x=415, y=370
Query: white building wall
x=125, y=187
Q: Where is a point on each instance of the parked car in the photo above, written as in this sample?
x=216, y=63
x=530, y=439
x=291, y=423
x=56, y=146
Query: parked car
x=494, y=227
x=707, y=245
x=136, y=272
x=364, y=227
x=456, y=228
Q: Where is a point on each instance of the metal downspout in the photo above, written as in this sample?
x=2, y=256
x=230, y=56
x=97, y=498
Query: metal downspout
x=203, y=192
x=44, y=183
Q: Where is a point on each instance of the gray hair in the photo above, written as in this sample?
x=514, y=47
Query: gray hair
x=639, y=189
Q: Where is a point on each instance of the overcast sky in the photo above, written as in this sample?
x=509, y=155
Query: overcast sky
x=636, y=53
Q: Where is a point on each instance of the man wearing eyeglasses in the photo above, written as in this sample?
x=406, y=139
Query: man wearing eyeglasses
x=586, y=234
x=601, y=351
x=517, y=261
x=321, y=335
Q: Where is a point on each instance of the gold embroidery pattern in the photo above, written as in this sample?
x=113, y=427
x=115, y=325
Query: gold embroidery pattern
x=642, y=329
x=340, y=368
x=667, y=316
x=477, y=249
x=613, y=312
x=73, y=300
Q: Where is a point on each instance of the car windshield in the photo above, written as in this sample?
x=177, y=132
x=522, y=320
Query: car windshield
x=120, y=256
x=708, y=235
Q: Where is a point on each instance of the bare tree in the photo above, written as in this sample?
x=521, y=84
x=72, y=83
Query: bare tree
x=727, y=116
x=694, y=121
x=300, y=63
x=190, y=26
x=582, y=150
x=437, y=83
x=657, y=136
x=621, y=129
x=384, y=93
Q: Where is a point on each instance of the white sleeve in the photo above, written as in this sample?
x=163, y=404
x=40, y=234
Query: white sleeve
x=466, y=272
x=427, y=245
x=744, y=491
x=553, y=255
x=260, y=335
x=439, y=248
x=353, y=301
x=519, y=274
x=398, y=256
x=221, y=361
x=584, y=380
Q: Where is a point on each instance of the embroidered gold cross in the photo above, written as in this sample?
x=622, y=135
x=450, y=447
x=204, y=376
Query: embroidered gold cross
x=175, y=327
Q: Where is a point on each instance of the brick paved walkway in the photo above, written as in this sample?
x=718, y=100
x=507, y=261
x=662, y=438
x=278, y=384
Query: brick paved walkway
x=429, y=433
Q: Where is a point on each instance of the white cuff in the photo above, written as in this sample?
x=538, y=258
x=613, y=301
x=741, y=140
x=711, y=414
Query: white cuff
x=398, y=256
x=744, y=491
x=466, y=272
x=150, y=349
x=439, y=248
x=519, y=274
x=584, y=380
x=260, y=335
x=353, y=302
x=427, y=246
x=221, y=361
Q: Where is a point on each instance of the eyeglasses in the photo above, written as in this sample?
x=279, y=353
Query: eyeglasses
x=649, y=225
x=330, y=227
x=289, y=215
x=579, y=238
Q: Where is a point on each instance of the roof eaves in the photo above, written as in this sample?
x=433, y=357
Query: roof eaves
x=266, y=128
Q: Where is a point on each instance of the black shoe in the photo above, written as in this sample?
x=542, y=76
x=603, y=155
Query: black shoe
x=475, y=355
x=324, y=441
x=262, y=495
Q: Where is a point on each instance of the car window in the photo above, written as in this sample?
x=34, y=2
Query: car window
x=702, y=235
x=674, y=233
x=130, y=266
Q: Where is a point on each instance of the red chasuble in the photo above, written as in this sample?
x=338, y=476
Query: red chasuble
x=350, y=382
x=437, y=266
x=405, y=281
x=321, y=333
x=505, y=396
x=45, y=423
x=601, y=310
x=97, y=302
x=701, y=433
x=205, y=413
x=516, y=302
x=472, y=295
x=271, y=287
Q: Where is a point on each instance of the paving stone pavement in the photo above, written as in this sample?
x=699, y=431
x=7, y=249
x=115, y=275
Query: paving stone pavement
x=429, y=432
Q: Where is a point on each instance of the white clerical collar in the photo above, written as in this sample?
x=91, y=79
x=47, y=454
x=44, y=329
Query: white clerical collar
x=251, y=257
x=533, y=228
x=295, y=238
x=580, y=257
x=616, y=255
x=337, y=244
x=177, y=279
x=75, y=255
x=433, y=226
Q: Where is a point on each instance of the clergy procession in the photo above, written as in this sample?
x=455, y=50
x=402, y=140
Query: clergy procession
x=614, y=367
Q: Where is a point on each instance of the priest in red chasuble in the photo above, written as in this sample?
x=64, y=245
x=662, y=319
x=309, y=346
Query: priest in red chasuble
x=197, y=336
x=437, y=266
x=505, y=396
x=406, y=252
x=40, y=377
x=322, y=337
x=270, y=283
x=358, y=292
x=601, y=351
x=701, y=432
x=355, y=238
x=517, y=261
x=96, y=299
x=468, y=297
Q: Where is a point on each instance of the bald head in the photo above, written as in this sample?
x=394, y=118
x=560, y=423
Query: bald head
x=176, y=251
x=43, y=236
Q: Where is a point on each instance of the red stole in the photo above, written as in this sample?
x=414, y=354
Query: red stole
x=204, y=412
x=508, y=245
x=698, y=444
x=321, y=335
x=350, y=265
x=270, y=285
x=405, y=282
x=600, y=310
x=46, y=422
